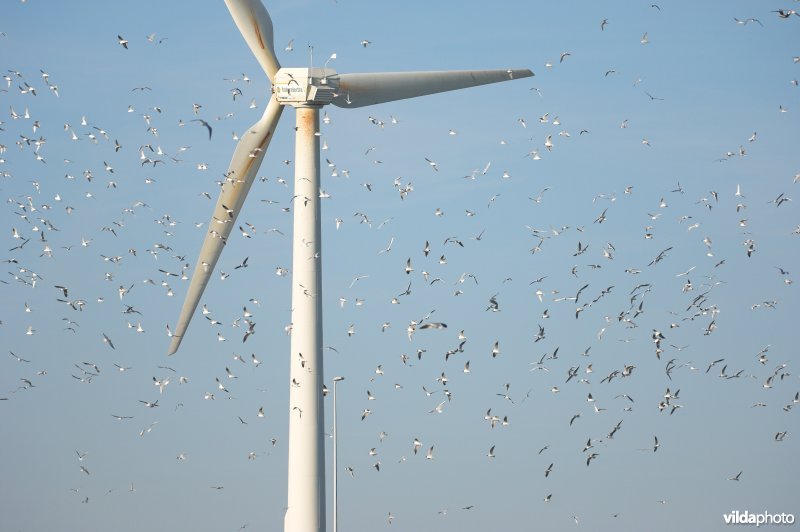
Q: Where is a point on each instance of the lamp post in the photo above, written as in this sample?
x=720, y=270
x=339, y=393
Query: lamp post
x=324, y=79
x=335, y=467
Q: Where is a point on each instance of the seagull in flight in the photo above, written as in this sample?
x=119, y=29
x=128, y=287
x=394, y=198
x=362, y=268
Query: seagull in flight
x=747, y=20
x=107, y=340
x=205, y=124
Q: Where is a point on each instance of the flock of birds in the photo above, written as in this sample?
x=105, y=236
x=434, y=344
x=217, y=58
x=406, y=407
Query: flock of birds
x=619, y=332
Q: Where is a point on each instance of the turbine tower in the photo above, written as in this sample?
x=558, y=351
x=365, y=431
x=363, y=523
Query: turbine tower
x=307, y=90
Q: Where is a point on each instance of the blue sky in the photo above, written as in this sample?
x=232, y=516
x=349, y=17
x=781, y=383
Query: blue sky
x=708, y=108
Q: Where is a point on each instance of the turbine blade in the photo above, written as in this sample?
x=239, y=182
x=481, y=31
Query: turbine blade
x=253, y=21
x=358, y=90
x=241, y=174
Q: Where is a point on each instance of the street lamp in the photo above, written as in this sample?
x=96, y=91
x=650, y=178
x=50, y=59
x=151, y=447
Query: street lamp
x=324, y=79
x=335, y=467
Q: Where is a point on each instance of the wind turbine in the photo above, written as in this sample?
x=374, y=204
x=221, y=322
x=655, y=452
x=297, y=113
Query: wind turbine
x=307, y=90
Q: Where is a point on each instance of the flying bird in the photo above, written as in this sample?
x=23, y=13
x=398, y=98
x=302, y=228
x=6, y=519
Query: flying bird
x=204, y=124
x=747, y=20
x=107, y=340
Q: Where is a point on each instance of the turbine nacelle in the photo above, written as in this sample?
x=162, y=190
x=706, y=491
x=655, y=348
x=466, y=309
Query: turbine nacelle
x=305, y=86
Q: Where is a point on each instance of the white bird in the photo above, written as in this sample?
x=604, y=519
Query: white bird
x=161, y=383
x=439, y=408
x=416, y=445
x=496, y=349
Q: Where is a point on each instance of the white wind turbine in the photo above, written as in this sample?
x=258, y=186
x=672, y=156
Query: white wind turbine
x=307, y=90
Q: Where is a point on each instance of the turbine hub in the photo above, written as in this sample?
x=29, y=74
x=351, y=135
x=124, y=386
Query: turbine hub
x=305, y=86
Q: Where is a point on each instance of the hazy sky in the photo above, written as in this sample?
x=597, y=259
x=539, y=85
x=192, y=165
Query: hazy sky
x=644, y=176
